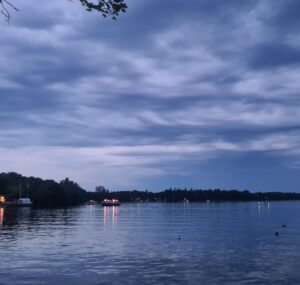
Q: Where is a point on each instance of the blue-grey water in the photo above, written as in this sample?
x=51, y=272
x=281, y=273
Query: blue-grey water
x=194, y=243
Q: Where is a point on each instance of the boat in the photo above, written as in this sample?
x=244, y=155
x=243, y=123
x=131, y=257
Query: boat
x=21, y=202
x=264, y=204
x=111, y=202
x=90, y=202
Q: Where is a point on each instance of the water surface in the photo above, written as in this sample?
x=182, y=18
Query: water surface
x=194, y=243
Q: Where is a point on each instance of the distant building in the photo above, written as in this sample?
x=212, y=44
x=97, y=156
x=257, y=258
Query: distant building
x=100, y=189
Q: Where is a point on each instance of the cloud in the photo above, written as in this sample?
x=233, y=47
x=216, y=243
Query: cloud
x=124, y=166
x=272, y=55
x=156, y=95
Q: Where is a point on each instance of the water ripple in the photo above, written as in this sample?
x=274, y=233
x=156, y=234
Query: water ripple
x=216, y=243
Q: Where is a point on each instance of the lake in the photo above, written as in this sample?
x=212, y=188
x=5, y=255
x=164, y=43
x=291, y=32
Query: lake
x=155, y=243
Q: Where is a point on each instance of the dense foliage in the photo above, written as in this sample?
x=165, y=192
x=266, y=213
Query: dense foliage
x=48, y=193
x=193, y=195
x=106, y=7
x=43, y=193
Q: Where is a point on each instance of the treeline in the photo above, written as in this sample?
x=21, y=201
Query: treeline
x=193, y=195
x=43, y=193
x=49, y=193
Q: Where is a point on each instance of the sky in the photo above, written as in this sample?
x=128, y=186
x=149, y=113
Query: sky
x=195, y=93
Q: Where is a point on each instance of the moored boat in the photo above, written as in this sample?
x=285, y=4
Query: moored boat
x=111, y=202
x=90, y=202
x=22, y=202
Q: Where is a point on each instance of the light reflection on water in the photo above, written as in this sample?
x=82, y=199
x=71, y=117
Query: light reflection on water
x=1, y=217
x=221, y=243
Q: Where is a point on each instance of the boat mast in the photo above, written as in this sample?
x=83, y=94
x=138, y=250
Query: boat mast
x=20, y=192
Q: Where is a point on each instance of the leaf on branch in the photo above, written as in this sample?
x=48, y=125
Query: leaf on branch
x=106, y=7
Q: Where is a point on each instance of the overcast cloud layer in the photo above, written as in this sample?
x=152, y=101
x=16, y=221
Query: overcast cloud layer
x=200, y=93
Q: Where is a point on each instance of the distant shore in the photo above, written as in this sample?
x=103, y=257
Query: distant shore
x=193, y=195
x=49, y=193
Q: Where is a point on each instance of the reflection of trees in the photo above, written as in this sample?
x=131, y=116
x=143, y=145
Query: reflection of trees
x=13, y=217
x=18, y=220
x=10, y=220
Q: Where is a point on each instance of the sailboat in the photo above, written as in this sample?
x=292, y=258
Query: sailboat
x=21, y=202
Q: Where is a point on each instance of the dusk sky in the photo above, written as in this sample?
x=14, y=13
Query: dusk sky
x=194, y=93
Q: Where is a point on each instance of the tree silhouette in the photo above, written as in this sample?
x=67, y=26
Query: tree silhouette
x=6, y=6
x=106, y=7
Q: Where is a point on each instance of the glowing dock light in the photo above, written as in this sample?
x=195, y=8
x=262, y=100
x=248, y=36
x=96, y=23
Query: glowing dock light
x=2, y=199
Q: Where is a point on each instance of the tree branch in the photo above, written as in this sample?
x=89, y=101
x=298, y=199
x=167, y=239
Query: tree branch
x=106, y=7
x=5, y=6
